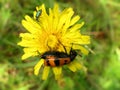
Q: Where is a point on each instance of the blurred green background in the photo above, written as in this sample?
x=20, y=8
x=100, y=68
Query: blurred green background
x=102, y=23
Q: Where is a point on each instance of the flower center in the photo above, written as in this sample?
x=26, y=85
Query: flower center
x=52, y=42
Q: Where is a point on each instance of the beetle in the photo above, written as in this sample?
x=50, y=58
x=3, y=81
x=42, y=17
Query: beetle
x=56, y=58
x=38, y=14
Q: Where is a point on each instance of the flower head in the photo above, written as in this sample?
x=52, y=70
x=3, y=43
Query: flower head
x=53, y=31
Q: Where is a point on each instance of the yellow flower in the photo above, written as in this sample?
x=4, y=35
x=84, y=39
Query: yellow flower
x=50, y=32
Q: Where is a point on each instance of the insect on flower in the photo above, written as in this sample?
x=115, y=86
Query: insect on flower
x=39, y=12
x=56, y=58
x=51, y=34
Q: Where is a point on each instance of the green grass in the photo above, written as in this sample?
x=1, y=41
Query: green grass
x=101, y=23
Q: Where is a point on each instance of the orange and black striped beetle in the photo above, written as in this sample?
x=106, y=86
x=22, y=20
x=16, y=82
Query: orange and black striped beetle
x=56, y=58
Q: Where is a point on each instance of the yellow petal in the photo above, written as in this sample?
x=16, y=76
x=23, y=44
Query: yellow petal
x=28, y=52
x=27, y=55
x=81, y=48
x=76, y=27
x=27, y=36
x=84, y=69
x=29, y=40
x=44, y=19
x=82, y=40
x=50, y=20
x=38, y=66
x=77, y=65
x=68, y=19
x=63, y=18
x=56, y=9
x=43, y=10
x=27, y=43
x=34, y=15
x=74, y=20
x=57, y=72
x=31, y=25
x=86, y=39
x=45, y=72
x=56, y=14
x=72, y=67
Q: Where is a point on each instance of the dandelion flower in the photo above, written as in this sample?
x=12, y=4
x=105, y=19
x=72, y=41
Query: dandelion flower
x=54, y=30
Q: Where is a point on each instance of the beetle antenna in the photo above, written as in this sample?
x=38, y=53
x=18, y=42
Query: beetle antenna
x=63, y=46
x=49, y=47
x=71, y=47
